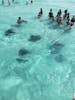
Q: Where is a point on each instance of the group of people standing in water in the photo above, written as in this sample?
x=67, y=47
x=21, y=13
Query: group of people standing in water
x=65, y=19
x=59, y=18
x=3, y=1
x=8, y=2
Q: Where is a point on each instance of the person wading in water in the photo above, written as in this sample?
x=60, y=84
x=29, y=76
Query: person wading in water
x=3, y=2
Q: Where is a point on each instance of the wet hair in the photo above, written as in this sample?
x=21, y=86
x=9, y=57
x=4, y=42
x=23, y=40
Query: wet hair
x=19, y=17
x=65, y=11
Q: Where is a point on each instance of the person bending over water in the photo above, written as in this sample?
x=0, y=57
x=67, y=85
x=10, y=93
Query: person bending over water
x=40, y=13
x=19, y=21
x=72, y=22
x=73, y=19
x=51, y=16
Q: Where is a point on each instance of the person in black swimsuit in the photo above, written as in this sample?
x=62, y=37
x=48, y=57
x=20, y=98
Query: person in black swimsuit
x=40, y=13
x=65, y=14
x=51, y=16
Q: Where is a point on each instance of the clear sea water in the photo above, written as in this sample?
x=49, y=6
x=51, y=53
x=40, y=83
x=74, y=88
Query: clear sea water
x=48, y=71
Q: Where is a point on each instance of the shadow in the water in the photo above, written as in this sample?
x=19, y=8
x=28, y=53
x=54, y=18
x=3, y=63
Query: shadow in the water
x=53, y=24
x=66, y=31
x=16, y=2
x=44, y=20
x=56, y=47
x=56, y=26
x=20, y=60
x=16, y=25
x=60, y=58
x=49, y=23
x=23, y=52
x=9, y=32
x=34, y=38
x=21, y=72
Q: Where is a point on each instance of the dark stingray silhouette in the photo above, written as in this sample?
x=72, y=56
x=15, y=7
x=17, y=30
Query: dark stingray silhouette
x=60, y=58
x=9, y=32
x=23, y=52
x=34, y=38
x=20, y=60
x=56, y=47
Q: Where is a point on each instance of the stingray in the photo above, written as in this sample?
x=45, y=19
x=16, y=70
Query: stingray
x=59, y=58
x=34, y=38
x=56, y=47
x=23, y=52
x=55, y=51
x=9, y=32
x=20, y=60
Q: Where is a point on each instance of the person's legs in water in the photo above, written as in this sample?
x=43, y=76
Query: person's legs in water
x=9, y=2
x=40, y=13
x=53, y=18
x=27, y=3
x=68, y=22
x=2, y=2
x=71, y=25
x=13, y=1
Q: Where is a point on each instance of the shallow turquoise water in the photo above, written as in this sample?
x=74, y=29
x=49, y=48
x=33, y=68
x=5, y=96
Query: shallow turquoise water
x=48, y=71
